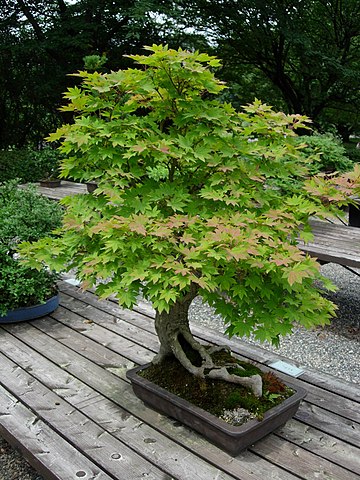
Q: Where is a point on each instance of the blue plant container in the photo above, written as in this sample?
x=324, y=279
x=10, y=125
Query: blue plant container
x=30, y=313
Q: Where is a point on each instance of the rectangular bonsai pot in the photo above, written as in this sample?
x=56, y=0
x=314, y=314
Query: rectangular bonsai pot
x=232, y=439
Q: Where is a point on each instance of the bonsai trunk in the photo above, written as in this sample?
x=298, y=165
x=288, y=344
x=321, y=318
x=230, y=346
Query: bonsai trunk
x=176, y=339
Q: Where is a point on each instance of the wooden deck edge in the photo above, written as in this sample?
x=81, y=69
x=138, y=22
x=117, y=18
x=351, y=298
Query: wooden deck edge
x=273, y=454
x=49, y=453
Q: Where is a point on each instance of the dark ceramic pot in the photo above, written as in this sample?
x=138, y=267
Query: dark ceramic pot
x=50, y=183
x=30, y=313
x=354, y=215
x=232, y=439
x=91, y=187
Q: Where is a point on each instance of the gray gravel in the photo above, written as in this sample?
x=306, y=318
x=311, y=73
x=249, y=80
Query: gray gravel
x=13, y=466
x=334, y=349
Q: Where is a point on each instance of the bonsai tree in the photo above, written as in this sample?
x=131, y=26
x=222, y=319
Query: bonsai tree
x=24, y=215
x=193, y=198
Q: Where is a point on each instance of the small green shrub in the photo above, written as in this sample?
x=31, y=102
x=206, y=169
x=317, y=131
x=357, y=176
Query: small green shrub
x=24, y=215
x=332, y=154
x=28, y=165
x=22, y=286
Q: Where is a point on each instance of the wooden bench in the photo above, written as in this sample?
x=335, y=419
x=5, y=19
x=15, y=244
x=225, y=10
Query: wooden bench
x=66, y=403
x=336, y=243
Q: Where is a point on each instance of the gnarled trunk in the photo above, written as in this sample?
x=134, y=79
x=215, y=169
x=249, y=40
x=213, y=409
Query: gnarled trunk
x=174, y=334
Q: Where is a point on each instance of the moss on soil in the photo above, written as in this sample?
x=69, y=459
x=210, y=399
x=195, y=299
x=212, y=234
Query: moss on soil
x=216, y=396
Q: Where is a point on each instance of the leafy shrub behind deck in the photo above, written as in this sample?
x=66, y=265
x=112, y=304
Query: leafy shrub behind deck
x=25, y=215
x=28, y=165
x=332, y=154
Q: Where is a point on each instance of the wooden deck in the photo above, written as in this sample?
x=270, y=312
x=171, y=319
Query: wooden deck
x=66, y=188
x=66, y=402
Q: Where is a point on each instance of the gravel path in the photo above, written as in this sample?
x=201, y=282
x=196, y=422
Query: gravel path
x=334, y=349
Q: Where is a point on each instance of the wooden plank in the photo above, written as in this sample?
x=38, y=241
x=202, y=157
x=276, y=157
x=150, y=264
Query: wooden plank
x=100, y=345
x=49, y=453
x=105, y=450
x=66, y=188
x=328, y=422
x=325, y=255
x=105, y=336
x=346, y=455
x=334, y=243
x=335, y=229
x=114, y=323
x=304, y=463
x=131, y=431
x=119, y=392
x=321, y=444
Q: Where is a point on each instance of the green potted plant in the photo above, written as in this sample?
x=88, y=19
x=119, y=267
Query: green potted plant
x=193, y=199
x=49, y=163
x=25, y=293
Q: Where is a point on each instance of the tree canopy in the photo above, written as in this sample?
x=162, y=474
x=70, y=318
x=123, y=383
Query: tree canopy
x=308, y=50
x=192, y=198
x=301, y=56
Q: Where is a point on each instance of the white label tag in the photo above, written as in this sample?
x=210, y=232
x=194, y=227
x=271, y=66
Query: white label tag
x=286, y=368
x=73, y=281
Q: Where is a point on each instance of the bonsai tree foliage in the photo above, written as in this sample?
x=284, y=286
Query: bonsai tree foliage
x=193, y=198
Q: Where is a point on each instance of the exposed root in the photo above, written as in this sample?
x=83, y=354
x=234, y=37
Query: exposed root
x=208, y=369
x=254, y=382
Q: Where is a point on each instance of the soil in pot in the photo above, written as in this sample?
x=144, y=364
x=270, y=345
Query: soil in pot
x=228, y=415
x=220, y=398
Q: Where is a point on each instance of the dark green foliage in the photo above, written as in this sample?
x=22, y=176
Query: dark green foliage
x=42, y=42
x=24, y=215
x=306, y=52
x=332, y=155
x=352, y=151
x=302, y=56
x=22, y=286
x=28, y=165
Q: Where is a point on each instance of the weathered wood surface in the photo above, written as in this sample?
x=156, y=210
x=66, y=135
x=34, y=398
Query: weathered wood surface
x=66, y=402
x=66, y=188
x=334, y=243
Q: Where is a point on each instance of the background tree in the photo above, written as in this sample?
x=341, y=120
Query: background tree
x=42, y=42
x=308, y=50
x=301, y=56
